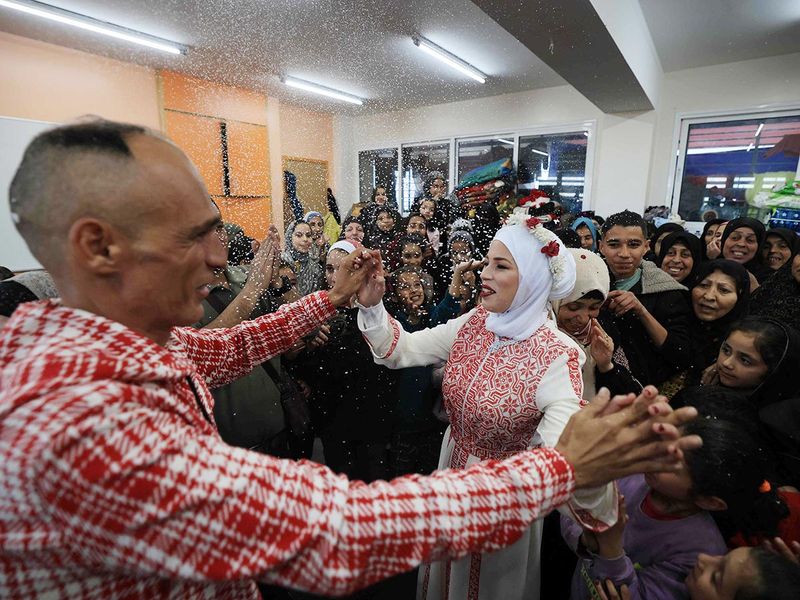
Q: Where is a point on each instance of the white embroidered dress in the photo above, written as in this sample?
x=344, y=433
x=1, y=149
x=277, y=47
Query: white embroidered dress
x=502, y=397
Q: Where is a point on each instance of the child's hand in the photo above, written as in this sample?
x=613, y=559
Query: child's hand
x=607, y=591
x=778, y=546
x=710, y=376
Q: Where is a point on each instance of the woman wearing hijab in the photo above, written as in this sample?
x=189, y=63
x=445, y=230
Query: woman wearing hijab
x=780, y=247
x=320, y=245
x=742, y=241
x=679, y=257
x=579, y=315
x=297, y=252
x=720, y=298
x=779, y=297
x=587, y=231
x=708, y=235
x=511, y=381
x=659, y=235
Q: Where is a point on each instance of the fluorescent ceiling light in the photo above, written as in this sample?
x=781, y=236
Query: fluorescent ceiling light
x=535, y=151
x=449, y=59
x=320, y=89
x=760, y=127
x=66, y=17
x=509, y=142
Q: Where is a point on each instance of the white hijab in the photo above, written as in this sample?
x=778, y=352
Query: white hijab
x=528, y=310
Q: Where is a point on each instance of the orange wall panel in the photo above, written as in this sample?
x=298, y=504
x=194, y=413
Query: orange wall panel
x=190, y=94
x=199, y=138
x=253, y=214
x=248, y=157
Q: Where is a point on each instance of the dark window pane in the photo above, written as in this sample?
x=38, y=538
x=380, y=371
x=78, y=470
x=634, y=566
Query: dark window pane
x=418, y=163
x=555, y=164
x=377, y=168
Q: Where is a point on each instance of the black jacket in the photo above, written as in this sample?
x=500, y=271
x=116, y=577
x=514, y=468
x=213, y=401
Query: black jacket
x=663, y=298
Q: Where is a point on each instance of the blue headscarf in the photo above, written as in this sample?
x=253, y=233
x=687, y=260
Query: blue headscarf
x=580, y=221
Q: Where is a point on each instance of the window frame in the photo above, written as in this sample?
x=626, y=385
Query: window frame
x=683, y=120
x=588, y=125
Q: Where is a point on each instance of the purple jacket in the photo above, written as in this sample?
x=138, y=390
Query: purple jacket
x=658, y=554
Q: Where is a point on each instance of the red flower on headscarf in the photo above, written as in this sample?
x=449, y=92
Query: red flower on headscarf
x=532, y=222
x=552, y=249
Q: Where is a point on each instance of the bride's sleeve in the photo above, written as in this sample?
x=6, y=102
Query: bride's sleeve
x=396, y=348
x=559, y=397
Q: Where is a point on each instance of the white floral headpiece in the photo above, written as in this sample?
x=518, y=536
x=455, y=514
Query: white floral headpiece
x=551, y=246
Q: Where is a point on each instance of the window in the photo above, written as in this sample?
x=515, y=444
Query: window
x=555, y=164
x=480, y=152
x=377, y=168
x=724, y=162
x=418, y=162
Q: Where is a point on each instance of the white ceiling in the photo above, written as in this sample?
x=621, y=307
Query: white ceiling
x=361, y=47
x=364, y=47
x=697, y=33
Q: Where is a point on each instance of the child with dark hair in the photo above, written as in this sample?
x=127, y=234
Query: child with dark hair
x=664, y=519
x=417, y=433
x=650, y=307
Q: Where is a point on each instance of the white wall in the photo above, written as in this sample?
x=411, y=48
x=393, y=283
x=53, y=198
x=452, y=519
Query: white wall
x=632, y=159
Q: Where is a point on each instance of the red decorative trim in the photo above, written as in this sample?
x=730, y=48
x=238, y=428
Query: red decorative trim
x=395, y=337
x=474, y=577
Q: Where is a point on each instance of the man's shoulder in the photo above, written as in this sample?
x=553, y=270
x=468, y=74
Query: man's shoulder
x=656, y=281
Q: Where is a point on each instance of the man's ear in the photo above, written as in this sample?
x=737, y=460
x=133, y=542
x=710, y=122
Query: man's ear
x=710, y=503
x=646, y=245
x=95, y=245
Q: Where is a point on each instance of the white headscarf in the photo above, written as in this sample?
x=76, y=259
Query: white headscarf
x=348, y=247
x=528, y=310
x=591, y=274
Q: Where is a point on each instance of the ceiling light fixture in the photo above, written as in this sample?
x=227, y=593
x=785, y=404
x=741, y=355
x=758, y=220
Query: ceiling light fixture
x=504, y=141
x=760, y=127
x=321, y=89
x=449, y=59
x=45, y=11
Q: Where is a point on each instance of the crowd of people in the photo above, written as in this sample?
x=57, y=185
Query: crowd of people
x=388, y=347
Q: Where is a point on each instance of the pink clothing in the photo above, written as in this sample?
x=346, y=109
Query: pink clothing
x=117, y=484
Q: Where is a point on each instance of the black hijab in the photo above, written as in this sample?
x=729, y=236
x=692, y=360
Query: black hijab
x=788, y=236
x=706, y=227
x=707, y=336
x=779, y=298
x=693, y=243
x=755, y=265
x=665, y=228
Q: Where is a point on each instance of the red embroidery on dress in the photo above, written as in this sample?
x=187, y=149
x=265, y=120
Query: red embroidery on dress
x=474, y=577
x=395, y=337
x=491, y=397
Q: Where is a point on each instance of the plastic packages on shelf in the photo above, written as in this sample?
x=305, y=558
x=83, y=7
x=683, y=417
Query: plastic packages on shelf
x=785, y=205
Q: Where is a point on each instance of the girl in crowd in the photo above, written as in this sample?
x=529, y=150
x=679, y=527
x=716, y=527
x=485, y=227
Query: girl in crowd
x=379, y=200
x=779, y=297
x=297, y=252
x=741, y=574
x=427, y=208
x=657, y=237
x=351, y=398
x=383, y=231
x=587, y=232
x=741, y=242
x=666, y=522
x=720, y=297
x=353, y=230
x=417, y=433
x=511, y=381
x=460, y=248
x=708, y=235
x=319, y=249
x=579, y=316
x=679, y=256
x=414, y=224
x=779, y=247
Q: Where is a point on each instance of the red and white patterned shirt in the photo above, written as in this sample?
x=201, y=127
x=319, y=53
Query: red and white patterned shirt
x=115, y=483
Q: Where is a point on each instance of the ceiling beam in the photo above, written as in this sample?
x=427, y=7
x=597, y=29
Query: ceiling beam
x=601, y=47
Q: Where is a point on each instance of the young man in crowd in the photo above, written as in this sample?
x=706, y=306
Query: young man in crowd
x=116, y=482
x=650, y=307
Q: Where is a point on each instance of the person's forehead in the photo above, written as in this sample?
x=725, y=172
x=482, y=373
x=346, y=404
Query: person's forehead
x=745, y=231
x=408, y=278
x=625, y=233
